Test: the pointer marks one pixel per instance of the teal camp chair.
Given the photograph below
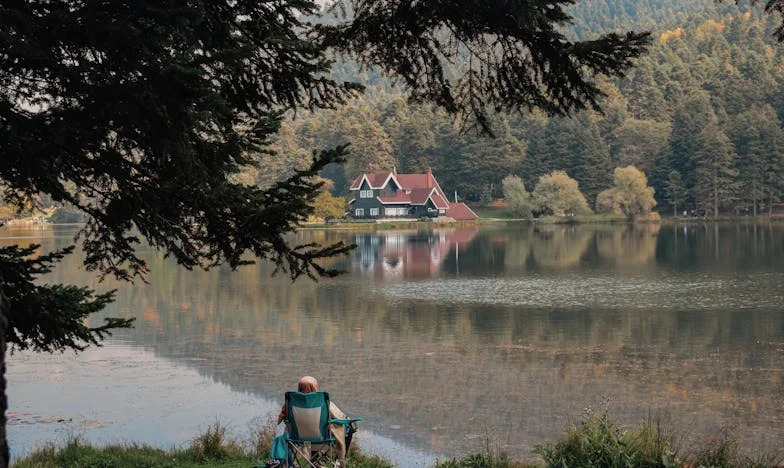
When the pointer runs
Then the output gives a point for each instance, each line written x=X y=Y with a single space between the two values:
x=308 y=424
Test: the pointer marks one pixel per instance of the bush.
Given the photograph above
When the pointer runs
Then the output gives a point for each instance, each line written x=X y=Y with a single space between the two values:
x=598 y=442
x=213 y=445
x=518 y=199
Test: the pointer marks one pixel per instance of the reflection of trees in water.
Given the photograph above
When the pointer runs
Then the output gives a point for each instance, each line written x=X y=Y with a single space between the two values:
x=627 y=245
x=560 y=246
x=445 y=371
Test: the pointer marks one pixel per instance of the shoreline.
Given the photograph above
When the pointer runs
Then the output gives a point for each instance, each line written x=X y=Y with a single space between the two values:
x=548 y=220
x=591 y=441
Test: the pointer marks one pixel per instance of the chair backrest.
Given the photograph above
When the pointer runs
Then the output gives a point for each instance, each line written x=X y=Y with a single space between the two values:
x=308 y=416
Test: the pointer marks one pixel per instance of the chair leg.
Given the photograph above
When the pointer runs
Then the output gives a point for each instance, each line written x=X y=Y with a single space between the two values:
x=302 y=455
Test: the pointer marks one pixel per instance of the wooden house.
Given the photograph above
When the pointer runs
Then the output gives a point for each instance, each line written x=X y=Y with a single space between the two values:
x=389 y=195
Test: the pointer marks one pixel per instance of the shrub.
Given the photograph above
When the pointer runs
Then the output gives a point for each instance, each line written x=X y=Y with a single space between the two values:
x=598 y=442
x=213 y=445
x=517 y=197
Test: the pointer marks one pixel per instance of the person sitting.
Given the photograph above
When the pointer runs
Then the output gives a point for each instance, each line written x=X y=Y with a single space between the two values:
x=308 y=384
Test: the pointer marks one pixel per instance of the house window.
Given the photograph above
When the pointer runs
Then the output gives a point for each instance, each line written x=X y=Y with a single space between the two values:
x=374 y=212
x=359 y=212
x=365 y=194
x=395 y=211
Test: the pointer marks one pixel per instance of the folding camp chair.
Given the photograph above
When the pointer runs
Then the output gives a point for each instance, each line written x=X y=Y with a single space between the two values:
x=310 y=443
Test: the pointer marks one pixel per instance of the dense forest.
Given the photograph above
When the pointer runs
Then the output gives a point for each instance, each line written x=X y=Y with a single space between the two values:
x=700 y=114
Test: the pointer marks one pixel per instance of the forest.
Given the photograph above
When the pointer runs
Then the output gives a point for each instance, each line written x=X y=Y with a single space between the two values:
x=700 y=114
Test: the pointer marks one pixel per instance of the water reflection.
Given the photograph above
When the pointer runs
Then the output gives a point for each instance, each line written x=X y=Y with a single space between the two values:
x=439 y=338
x=409 y=253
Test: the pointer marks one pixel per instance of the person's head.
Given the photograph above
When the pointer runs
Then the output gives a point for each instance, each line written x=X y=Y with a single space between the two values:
x=307 y=384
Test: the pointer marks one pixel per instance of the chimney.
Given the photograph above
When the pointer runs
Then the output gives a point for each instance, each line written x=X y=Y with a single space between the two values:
x=430 y=178
x=394 y=170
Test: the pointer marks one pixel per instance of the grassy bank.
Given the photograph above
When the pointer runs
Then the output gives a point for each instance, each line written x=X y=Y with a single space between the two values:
x=595 y=442
x=210 y=449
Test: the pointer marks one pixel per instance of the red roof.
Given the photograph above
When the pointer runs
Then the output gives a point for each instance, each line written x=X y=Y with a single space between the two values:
x=460 y=212
x=414 y=181
x=400 y=197
x=376 y=180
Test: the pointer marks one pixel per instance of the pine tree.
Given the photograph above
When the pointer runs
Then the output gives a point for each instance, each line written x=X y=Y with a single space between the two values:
x=676 y=191
x=716 y=174
x=591 y=155
x=689 y=121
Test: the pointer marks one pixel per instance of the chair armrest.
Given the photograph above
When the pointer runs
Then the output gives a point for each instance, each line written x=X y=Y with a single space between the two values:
x=344 y=422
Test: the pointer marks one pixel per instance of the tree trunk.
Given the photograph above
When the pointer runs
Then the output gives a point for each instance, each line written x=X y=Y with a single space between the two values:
x=715 y=193
x=3 y=400
x=770 y=205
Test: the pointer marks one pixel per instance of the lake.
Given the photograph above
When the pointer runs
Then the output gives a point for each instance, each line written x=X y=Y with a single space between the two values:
x=443 y=340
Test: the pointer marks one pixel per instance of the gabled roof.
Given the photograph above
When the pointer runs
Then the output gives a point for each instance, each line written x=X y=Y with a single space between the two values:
x=420 y=196
x=376 y=180
x=379 y=180
x=460 y=212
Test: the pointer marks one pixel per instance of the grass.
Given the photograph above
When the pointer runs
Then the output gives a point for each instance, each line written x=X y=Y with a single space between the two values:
x=593 y=442
x=212 y=448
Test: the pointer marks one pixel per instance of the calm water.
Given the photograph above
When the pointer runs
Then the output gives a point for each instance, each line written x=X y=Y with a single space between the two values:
x=439 y=339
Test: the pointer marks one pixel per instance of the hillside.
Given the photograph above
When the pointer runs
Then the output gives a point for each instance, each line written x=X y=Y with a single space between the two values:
x=705 y=102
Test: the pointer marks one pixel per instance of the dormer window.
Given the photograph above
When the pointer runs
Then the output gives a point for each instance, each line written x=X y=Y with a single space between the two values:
x=365 y=194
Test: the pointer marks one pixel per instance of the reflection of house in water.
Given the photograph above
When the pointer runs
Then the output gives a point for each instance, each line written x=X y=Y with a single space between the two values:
x=398 y=253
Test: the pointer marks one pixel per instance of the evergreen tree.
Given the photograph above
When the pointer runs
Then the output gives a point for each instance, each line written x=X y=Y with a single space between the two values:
x=483 y=162
x=716 y=175
x=546 y=147
x=409 y=128
x=676 y=191
x=646 y=100
x=283 y=157
x=758 y=139
x=690 y=119
x=592 y=165
x=638 y=142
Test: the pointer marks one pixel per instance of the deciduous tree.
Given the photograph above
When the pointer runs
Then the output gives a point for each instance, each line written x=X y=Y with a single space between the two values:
x=630 y=196
x=559 y=195
x=517 y=197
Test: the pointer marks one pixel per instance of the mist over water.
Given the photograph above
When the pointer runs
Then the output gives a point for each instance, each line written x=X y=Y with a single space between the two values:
x=442 y=339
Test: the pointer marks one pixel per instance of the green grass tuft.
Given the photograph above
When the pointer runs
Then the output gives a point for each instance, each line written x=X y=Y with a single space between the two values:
x=598 y=442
